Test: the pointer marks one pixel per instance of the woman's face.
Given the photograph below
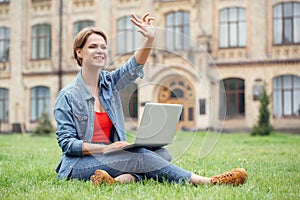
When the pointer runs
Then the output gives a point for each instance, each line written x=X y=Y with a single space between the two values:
x=94 y=52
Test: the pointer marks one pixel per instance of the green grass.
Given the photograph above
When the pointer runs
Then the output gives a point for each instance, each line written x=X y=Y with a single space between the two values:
x=273 y=163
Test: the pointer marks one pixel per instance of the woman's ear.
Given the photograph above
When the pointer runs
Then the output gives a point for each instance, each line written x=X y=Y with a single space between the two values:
x=78 y=52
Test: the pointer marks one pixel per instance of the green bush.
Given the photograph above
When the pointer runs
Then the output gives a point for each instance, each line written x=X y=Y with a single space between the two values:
x=44 y=125
x=263 y=126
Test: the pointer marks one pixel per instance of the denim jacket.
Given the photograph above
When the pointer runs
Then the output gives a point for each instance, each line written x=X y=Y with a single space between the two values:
x=74 y=112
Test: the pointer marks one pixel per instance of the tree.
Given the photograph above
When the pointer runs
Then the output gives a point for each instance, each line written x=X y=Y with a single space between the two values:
x=263 y=126
x=44 y=124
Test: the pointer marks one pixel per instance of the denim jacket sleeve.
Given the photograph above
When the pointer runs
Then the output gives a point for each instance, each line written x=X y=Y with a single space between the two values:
x=127 y=73
x=67 y=137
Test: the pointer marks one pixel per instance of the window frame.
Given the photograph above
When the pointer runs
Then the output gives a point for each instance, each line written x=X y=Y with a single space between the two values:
x=129 y=100
x=280 y=90
x=4 y=105
x=235 y=87
x=177 y=33
x=4 y=55
x=41 y=42
x=239 y=21
x=202 y=106
x=282 y=19
x=79 y=25
x=39 y=95
x=127 y=38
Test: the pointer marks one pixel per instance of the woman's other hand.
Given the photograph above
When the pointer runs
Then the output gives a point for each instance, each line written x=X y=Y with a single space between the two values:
x=116 y=145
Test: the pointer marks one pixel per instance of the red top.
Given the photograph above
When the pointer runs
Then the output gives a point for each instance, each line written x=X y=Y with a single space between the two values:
x=102 y=126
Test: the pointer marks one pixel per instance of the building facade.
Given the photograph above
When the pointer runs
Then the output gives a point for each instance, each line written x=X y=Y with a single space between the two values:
x=212 y=56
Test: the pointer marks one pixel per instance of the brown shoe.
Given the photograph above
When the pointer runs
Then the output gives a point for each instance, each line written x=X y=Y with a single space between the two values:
x=233 y=177
x=101 y=176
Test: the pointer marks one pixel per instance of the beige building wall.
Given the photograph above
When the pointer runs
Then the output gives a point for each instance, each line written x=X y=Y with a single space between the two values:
x=202 y=68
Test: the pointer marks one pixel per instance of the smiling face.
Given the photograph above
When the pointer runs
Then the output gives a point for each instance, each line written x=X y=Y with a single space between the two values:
x=94 y=52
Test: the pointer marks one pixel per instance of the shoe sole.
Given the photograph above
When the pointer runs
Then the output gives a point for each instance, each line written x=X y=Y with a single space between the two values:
x=233 y=177
x=101 y=176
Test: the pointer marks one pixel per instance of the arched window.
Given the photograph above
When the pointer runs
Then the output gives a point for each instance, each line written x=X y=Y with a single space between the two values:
x=286 y=23
x=41 y=42
x=40 y=102
x=128 y=38
x=178 y=30
x=129 y=98
x=233 y=31
x=82 y=24
x=176 y=93
x=286 y=96
x=235 y=97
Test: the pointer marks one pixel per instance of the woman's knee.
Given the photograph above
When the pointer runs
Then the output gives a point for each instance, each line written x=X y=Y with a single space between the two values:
x=164 y=153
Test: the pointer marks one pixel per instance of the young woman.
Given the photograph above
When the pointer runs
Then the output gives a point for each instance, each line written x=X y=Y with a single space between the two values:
x=90 y=120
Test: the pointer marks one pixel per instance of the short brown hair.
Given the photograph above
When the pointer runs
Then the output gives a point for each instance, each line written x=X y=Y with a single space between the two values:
x=81 y=38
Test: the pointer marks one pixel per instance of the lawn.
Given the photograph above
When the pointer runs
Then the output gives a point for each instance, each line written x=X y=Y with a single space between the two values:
x=273 y=163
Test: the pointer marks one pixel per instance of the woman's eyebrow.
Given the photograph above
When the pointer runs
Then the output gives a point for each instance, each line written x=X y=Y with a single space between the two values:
x=97 y=43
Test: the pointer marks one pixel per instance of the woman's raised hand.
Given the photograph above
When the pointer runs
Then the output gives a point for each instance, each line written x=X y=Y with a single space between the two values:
x=145 y=26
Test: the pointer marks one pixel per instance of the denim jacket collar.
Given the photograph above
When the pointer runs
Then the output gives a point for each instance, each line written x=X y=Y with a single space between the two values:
x=82 y=87
x=106 y=88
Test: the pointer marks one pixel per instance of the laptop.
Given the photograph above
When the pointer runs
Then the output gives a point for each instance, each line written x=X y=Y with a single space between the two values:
x=157 y=127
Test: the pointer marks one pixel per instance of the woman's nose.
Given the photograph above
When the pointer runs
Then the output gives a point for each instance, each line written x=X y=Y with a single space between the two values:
x=100 y=50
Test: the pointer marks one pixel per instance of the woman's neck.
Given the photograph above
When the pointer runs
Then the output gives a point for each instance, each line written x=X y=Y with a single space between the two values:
x=91 y=78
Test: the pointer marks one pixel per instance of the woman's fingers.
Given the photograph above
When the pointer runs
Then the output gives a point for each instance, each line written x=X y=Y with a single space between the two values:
x=120 y=144
x=150 y=19
x=135 y=22
x=144 y=24
x=146 y=20
x=135 y=18
x=145 y=17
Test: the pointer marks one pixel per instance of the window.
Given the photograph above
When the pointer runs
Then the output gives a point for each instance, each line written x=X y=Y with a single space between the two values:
x=233 y=31
x=82 y=24
x=3 y=105
x=41 y=42
x=286 y=96
x=129 y=99
x=178 y=31
x=286 y=23
x=127 y=38
x=40 y=102
x=191 y=114
x=176 y=93
x=257 y=91
x=4 y=1
x=202 y=106
x=4 y=44
x=235 y=97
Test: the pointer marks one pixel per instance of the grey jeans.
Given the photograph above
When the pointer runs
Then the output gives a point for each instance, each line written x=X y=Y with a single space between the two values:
x=140 y=162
